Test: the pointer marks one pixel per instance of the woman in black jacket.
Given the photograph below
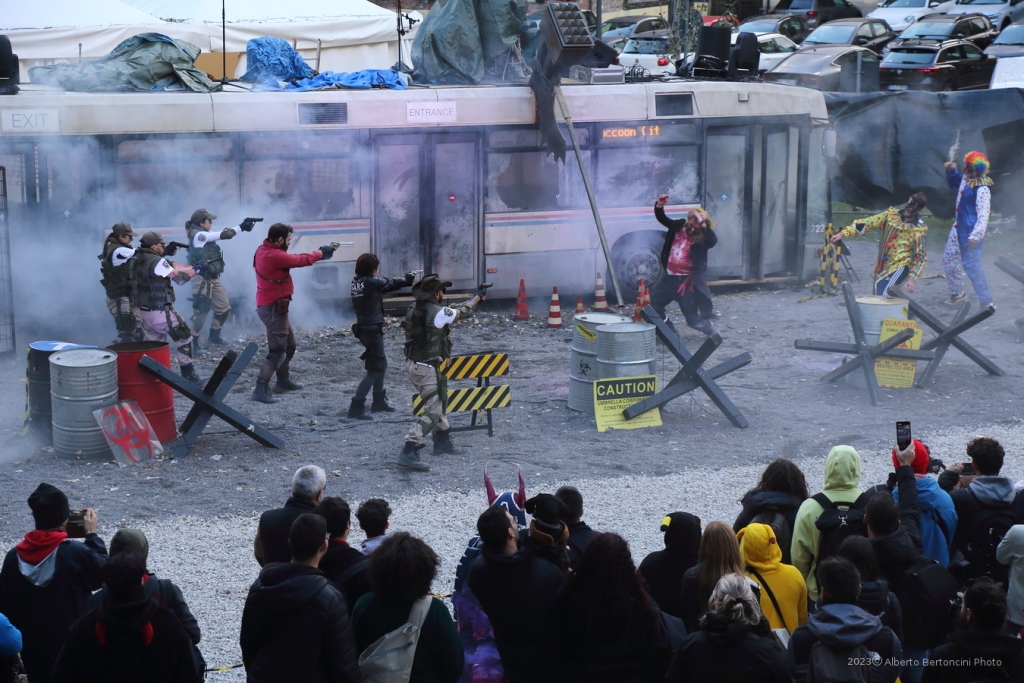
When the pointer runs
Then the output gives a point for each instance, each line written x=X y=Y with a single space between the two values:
x=875 y=596
x=726 y=649
x=719 y=555
x=607 y=630
x=781 y=491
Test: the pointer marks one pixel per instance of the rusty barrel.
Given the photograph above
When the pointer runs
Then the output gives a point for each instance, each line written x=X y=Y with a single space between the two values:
x=81 y=381
x=38 y=414
x=154 y=397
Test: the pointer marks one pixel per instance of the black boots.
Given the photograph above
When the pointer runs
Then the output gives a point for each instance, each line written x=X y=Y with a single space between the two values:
x=380 y=404
x=410 y=458
x=189 y=373
x=214 y=337
x=284 y=383
x=443 y=444
x=357 y=411
x=262 y=392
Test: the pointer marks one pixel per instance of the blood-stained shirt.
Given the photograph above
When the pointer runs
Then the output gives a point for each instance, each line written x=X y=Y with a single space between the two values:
x=680 y=262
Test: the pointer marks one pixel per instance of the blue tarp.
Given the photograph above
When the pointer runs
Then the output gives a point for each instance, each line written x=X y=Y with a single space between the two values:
x=273 y=59
x=361 y=80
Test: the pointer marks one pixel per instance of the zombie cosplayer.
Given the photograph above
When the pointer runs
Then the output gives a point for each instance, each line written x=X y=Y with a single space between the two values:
x=274 y=289
x=116 y=265
x=685 y=260
x=207 y=291
x=973 y=201
x=427 y=327
x=368 y=292
x=154 y=294
x=483 y=664
x=901 y=244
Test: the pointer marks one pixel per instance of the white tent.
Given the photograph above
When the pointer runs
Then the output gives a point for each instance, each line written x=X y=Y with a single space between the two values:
x=51 y=31
x=353 y=34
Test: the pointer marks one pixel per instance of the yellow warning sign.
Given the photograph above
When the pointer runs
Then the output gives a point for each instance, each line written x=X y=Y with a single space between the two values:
x=612 y=396
x=892 y=373
x=589 y=335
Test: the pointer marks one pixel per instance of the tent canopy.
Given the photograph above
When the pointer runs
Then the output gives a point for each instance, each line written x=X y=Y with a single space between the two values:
x=71 y=13
x=245 y=11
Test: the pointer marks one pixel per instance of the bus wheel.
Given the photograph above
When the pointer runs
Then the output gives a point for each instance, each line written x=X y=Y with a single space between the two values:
x=637 y=256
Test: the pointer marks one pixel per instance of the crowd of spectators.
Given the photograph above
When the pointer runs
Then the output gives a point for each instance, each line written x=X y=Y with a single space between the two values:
x=919 y=578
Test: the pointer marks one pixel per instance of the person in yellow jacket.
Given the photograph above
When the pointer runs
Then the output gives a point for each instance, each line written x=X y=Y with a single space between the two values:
x=842 y=476
x=783 y=590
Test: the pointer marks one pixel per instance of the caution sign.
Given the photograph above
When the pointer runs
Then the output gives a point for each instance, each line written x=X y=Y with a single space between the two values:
x=893 y=373
x=612 y=396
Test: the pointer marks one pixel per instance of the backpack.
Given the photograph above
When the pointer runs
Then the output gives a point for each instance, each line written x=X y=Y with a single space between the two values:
x=839 y=665
x=928 y=598
x=780 y=527
x=987 y=531
x=389 y=658
x=838 y=521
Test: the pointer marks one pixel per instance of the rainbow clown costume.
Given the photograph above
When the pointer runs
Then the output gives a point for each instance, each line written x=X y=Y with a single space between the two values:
x=963 y=249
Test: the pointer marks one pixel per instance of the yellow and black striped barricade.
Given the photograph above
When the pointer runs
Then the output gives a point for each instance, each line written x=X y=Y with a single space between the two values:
x=482 y=397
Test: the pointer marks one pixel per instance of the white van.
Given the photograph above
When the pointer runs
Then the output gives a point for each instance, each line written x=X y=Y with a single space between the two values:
x=1009 y=73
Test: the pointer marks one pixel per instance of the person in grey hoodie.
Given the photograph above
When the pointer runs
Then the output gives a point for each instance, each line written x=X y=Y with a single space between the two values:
x=987 y=491
x=1011 y=552
x=839 y=623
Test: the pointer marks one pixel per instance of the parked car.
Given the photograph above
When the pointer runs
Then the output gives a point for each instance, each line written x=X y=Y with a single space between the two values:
x=902 y=13
x=1009 y=73
x=1010 y=42
x=649 y=50
x=952 y=65
x=1001 y=13
x=938 y=28
x=817 y=66
x=774 y=47
x=818 y=12
x=793 y=26
x=618 y=30
x=873 y=34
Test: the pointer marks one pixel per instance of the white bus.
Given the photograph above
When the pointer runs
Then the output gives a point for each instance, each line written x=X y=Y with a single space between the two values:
x=444 y=179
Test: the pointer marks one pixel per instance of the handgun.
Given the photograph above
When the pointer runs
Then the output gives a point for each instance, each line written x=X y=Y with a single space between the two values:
x=481 y=289
x=247 y=223
x=171 y=248
x=335 y=245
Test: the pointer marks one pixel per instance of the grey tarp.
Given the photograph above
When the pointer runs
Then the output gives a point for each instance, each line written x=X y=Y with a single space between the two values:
x=461 y=39
x=147 y=62
x=891 y=145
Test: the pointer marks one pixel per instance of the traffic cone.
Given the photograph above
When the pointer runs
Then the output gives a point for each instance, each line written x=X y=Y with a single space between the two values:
x=600 y=302
x=579 y=306
x=640 y=293
x=522 y=312
x=554 y=310
x=647 y=296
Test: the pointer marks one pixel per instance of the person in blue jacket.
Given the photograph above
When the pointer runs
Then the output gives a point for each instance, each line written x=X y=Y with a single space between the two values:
x=938 y=514
x=973 y=203
x=10 y=638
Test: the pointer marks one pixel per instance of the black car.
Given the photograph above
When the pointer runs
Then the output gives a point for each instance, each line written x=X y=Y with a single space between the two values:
x=934 y=29
x=873 y=34
x=818 y=12
x=1010 y=42
x=793 y=26
x=817 y=66
x=952 y=65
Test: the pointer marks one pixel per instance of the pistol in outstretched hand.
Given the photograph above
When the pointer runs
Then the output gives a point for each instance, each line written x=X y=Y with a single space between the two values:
x=481 y=289
x=248 y=224
x=171 y=248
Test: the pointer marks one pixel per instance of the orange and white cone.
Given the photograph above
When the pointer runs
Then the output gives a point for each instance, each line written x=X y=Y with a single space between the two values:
x=522 y=312
x=600 y=301
x=647 y=296
x=640 y=295
x=579 y=306
x=554 y=310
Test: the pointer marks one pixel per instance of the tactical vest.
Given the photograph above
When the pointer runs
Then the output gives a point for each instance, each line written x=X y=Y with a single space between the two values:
x=116 y=279
x=208 y=252
x=152 y=292
x=424 y=341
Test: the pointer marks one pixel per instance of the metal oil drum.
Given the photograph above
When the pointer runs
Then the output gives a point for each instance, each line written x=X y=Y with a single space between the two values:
x=626 y=350
x=873 y=310
x=37 y=374
x=583 y=366
x=81 y=381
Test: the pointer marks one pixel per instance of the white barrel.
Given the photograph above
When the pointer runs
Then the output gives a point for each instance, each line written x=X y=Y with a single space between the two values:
x=81 y=381
x=626 y=350
x=583 y=363
x=873 y=310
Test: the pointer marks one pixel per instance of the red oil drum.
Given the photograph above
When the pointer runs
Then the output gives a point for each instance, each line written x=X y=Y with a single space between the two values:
x=154 y=397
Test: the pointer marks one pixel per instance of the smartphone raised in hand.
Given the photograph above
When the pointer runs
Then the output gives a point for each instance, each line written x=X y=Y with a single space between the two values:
x=903 y=436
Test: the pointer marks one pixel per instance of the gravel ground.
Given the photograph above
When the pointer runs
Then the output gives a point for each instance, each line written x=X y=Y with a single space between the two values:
x=200 y=511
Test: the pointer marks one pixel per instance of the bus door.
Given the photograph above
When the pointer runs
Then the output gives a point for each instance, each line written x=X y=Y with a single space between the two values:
x=728 y=171
x=427 y=208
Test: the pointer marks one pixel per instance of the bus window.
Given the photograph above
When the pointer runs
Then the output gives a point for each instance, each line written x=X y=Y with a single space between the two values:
x=635 y=176
x=15 y=165
x=533 y=181
x=308 y=189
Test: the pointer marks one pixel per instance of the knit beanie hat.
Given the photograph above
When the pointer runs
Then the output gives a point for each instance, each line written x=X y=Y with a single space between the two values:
x=547 y=511
x=130 y=541
x=921 y=458
x=49 y=506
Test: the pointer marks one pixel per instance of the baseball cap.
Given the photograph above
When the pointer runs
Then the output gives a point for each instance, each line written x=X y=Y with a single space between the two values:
x=201 y=215
x=123 y=229
x=151 y=238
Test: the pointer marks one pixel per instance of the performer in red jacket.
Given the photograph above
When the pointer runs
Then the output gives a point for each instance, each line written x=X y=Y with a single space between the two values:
x=274 y=290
